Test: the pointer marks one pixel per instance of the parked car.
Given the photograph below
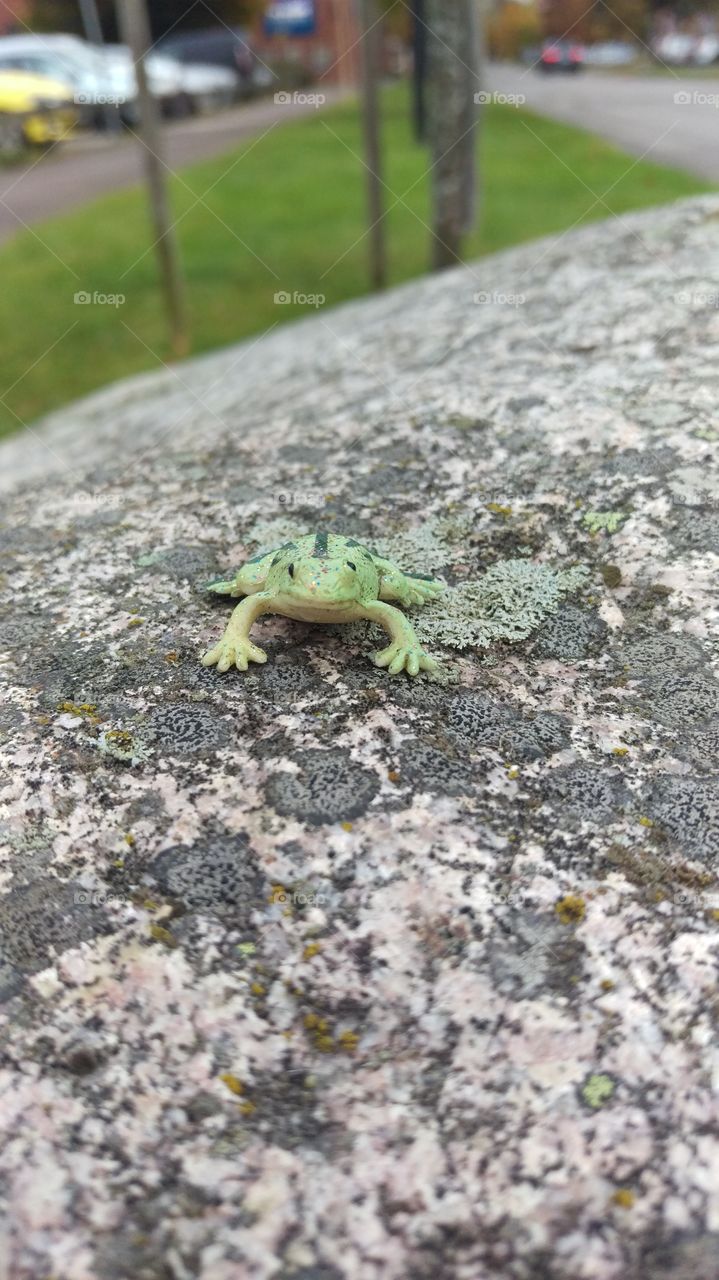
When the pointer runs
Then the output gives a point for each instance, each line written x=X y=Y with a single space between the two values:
x=98 y=85
x=181 y=89
x=675 y=48
x=611 y=53
x=208 y=88
x=561 y=55
x=34 y=111
x=218 y=47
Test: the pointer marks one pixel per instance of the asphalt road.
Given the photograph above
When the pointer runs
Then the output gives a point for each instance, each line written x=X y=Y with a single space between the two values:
x=641 y=114
x=92 y=164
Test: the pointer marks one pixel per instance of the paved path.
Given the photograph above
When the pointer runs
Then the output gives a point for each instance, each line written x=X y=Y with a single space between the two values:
x=93 y=165
x=640 y=114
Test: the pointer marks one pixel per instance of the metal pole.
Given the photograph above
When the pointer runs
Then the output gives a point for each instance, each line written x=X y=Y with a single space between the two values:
x=419 y=69
x=373 y=154
x=135 y=26
x=93 y=34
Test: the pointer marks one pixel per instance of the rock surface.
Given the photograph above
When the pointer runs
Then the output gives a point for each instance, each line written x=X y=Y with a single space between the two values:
x=312 y=974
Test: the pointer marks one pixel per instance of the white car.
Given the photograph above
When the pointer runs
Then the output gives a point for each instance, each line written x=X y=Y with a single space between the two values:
x=208 y=88
x=706 y=50
x=180 y=88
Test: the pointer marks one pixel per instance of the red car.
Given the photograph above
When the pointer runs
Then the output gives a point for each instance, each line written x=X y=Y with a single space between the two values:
x=561 y=55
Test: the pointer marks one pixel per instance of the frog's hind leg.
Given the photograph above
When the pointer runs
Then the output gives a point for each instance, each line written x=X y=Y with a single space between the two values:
x=408 y=588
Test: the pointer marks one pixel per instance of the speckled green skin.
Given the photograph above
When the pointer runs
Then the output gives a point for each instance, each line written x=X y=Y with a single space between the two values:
x=324 y=578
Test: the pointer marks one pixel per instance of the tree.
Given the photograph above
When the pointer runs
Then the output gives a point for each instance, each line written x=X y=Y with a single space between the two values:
x=451 y=119
x=64 y=15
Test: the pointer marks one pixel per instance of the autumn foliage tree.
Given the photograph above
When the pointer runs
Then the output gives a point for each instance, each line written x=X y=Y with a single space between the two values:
x=64 y=15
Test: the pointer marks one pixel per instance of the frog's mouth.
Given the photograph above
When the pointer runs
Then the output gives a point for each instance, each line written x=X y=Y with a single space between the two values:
x=308 y=608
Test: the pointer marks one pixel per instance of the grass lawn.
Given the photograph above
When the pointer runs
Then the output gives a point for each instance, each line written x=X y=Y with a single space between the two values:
x=297 y=198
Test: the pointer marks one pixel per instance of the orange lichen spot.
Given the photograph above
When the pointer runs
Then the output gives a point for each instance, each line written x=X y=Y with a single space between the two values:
x=160 y=934
x=312 y=949
x=393 y=775
x=620 y=751
x=233 y=1083
x=247 y=1107
x=624 y=1198
x=571 y=909
x=646 y=822
x=172 y=656
x=346 y=826
x=606 y=984
x=129 y=839
x=498 y=510
x=135 y=622
x=257 y=989
x=348 y=1041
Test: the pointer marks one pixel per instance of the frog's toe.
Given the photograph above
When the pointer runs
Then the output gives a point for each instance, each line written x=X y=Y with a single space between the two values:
x=412 y=664
x=412 y=660
x=385 y=656
x=426 y=663
x=212 y=656
x=226 y=658
x=255 y=654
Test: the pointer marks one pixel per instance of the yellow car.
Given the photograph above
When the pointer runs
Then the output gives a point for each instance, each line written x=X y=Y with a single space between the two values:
x=34 y=110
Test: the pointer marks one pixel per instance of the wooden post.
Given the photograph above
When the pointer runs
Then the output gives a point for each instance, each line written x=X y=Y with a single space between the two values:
x=372 y=143
x=452 y=114
x=135 y=27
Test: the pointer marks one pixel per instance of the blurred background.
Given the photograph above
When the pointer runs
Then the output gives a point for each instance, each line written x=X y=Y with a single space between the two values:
x=174 y=179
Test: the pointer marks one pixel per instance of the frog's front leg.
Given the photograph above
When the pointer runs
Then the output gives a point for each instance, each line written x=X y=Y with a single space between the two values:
x=408 y=588
x=235 y=648
x=405 y=652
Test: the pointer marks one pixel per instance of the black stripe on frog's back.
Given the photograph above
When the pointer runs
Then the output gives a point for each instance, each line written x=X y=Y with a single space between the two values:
x=320 y=548
x=278 y=554
x=423 y=577
x=352 y=542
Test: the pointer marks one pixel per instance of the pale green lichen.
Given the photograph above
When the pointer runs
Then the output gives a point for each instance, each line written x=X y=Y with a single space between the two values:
x=123 y=745
x=597 y=1090
x=511 y=601
x=596 y=521
x=427 y=546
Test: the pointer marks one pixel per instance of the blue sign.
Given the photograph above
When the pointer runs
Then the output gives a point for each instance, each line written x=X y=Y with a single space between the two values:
x=290 y=18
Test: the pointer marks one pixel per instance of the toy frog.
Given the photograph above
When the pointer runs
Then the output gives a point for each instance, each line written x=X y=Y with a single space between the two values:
x=323 y=577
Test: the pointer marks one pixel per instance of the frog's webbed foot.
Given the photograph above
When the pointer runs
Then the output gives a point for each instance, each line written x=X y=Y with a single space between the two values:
x=400 y=657
x=234 y=652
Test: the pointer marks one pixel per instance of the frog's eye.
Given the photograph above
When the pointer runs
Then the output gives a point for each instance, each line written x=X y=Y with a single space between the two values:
x=352 y=566
x=291 y=570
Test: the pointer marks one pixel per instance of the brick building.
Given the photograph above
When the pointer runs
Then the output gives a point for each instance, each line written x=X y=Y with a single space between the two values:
x=319 y=36
x=13 y=16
